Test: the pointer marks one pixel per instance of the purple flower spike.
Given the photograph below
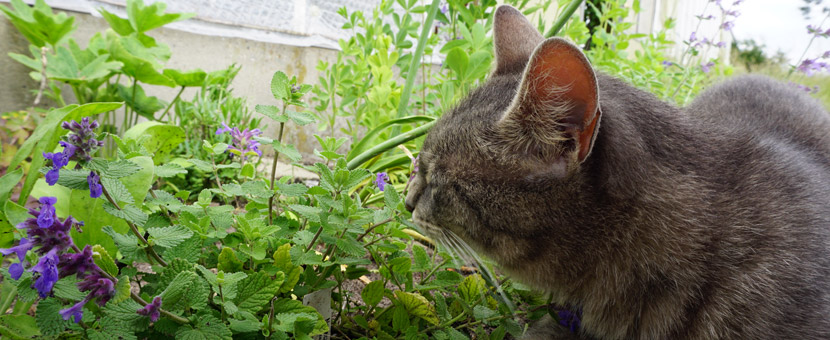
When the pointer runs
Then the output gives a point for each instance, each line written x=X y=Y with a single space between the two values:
x=152 y=309
x=381 y=180
x=16 y=270
x=95 y=187
x=80 y=264
x=727 y=26
x=98 y=286
x=76 y=310
x=707 y=67
x=243 y=141
x=47 y=267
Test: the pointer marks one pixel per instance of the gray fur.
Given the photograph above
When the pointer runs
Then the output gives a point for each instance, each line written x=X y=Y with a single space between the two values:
x=707 y=222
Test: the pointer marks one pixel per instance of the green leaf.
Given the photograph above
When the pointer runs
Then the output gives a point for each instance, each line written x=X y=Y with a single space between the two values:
x=122 y=289
x=400 y=318
x=119 y=25
x=127 y=212
x=300 y=118
x=373 y=293
x=350 y=246
x=124 y=315
x=207 y=327
x=472 y=289
x=291 y=190
x=18 y=327
x=103 y=259
x=272 y=112
x=49 y=321
x=228 y=262
x=190 y=250
x=288 y=150
x=39 y=25
x=8 y=182
x=247 y=170
x=279 y=86
x=135 y=97
x=311 y=213
x=186 y=290
x=282 y=260
x=458 y=60
x=160 y=139
x=66 y=288
x=121 y=168
x=284 y=309
x=391 y=197
x=191 y=78
x=117 y=190
x=169 y=236
x=257 y=290
x=127 y=245
x=169 y=170
x=481 y=312
x=144 y=18
x=417 y=305
x=422 y=260
x=245 y=326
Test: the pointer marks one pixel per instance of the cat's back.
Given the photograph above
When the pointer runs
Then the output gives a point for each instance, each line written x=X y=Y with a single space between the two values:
x=767 y=109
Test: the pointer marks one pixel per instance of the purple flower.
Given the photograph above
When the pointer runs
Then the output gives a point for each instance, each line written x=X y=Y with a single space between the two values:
x=721 y=44
x=47 y=267
x=444 y=9
x=20 y=249
x=667 y=63
x=95 y=188
x=76 y=310
x=47 y=211
x=79 y=264
x=16 y=270
x=732 y=13
x=152 y=309
x=59 y=160
x=243 y=141
x=381 y=180
x=98 y=286
x=727 y=26
x=79 y=145
x=693 y=37
x=569 y=319
x=810 y=66
x=706 y=67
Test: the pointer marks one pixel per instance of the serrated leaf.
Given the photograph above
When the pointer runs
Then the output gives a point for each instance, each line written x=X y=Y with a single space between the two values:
x=279 y=86
x=117 y=190
x=350 y=246
x=422 y=260
x=300 y=118
x=103 y=259
x=228 y=262
x=128 y=212
x=122 y=289
x=291 y=190
x=169 y=170
x=257 y=290
x=282 y=260
x=373 y=293
x=18 y=327
x=285 y=307
x=73 y=179
x=230 y=307
x=127 y=245
x=207 y=327
x=310 y=213
x=66 y=288
x=190 y=250
x=109 y=333
x=417 y=305
x=288 y=150
x=481 y=312
x=123 y=314
x=121 y=168
x=390 y=195
x=245 y=326
x=272 y=112
x=472 y=288
x=169 y=236
x=174 y=267
x=49 y=321
x=186 y=290
x=356 y=177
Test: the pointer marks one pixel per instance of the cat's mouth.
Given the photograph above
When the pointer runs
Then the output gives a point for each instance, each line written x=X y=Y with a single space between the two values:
x=427 y=228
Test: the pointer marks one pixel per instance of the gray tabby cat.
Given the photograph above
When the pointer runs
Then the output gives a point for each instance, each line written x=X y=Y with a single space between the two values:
x=707 y=222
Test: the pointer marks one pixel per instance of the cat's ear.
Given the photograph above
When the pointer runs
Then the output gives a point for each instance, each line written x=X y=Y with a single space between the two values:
x=514 y=39
x=555 y=114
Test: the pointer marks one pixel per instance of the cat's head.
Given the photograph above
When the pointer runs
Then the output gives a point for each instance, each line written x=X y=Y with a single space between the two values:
x=504 y=163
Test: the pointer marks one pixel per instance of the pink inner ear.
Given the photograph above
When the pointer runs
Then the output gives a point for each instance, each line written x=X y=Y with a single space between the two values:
x=560 y=65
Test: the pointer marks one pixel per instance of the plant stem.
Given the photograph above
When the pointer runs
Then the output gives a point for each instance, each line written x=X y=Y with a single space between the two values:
x=148 y=248
x=172 y=103
x=375 y=226
x=43 y=79
x=274 y=173
x=403 y=105
x=388 y=144
x=792 y=69
x=432 y=272
x=563 y=18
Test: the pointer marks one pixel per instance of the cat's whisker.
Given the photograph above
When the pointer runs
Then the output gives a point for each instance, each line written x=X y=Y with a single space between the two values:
x=486 y=273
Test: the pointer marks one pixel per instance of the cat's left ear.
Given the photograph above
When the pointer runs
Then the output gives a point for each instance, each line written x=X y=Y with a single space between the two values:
x=555 y=114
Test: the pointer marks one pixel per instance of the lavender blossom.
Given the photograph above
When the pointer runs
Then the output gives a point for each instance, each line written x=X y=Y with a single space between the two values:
x=152 y=309
x=381 y=180
x=243 y=141
x=95 y=187
x=47 y=267
x=47 y=212
x=727 y=26
x=78 y=145
x=79 y=264
x=16 y=270
x=76 y=310
x=706 y=67
x=98 y=287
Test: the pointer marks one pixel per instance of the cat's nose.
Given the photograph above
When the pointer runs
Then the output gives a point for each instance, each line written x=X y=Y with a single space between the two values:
x=410 y=206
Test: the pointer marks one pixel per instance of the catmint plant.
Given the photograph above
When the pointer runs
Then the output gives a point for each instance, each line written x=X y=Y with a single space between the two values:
x=79 y=146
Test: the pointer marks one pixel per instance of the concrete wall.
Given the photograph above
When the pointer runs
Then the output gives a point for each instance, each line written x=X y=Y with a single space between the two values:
x=259 y=61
